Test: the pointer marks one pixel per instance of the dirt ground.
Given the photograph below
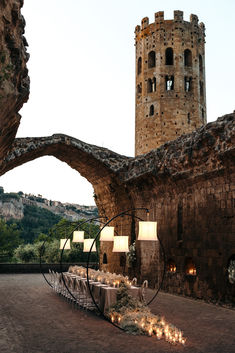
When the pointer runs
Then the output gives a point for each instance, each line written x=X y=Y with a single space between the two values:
x=33 y=319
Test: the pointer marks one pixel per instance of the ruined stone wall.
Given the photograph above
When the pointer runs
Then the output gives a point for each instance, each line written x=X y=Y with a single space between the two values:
x=189 y=186
x=161 y=47
x=14 y=80
x=196 y=225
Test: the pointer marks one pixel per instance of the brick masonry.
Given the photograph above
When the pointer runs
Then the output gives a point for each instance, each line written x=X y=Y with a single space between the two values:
x=173 y=51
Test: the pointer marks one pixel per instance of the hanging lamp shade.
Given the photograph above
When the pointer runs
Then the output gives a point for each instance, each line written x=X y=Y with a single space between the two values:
x=88 y=244
x=147 y=231
x=120 y=244
x=107 y=234
x=78 y=236
x=65 y=244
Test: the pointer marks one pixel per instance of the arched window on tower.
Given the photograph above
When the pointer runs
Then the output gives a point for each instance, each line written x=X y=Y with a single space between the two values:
x=169 y=83
x=139 y=65
x=151 y=110
x=187 y=57
x=189 y=118
x=151 y=59
x=139 y=88
x=188 y=84
x=154 y=84
x=149 y=86
x=169 y=56
x=203 y=114
x=201 y=89
x=200 y=64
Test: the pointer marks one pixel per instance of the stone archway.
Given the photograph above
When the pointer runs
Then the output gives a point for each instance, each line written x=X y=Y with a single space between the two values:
x=100 y=166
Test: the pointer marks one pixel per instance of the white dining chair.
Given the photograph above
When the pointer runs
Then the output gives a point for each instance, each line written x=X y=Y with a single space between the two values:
x=142 y=291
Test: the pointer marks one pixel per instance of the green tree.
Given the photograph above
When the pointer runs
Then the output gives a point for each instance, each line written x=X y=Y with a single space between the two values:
x=9 y=238
x=36 y=220
x=25 y=253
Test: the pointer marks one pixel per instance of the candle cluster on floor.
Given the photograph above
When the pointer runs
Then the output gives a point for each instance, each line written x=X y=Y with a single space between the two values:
x=136 y=318
x=150 y=325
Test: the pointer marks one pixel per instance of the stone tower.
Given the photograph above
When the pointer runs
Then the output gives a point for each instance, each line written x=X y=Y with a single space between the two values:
x=170 y=80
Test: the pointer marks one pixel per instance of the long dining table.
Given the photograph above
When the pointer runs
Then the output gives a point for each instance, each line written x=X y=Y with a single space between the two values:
x=105 y=294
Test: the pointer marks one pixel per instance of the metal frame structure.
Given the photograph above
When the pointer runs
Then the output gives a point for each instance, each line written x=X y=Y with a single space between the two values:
x=124 y=213
x=129 y=213
x=78 y=225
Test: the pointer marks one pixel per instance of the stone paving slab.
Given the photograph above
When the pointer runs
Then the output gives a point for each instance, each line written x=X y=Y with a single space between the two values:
x=33 y=319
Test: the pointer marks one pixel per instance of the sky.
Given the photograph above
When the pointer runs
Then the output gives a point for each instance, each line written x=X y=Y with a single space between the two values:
x=82 y=72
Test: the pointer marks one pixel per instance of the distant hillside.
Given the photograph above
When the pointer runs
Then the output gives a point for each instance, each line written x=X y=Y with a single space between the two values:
x=36 y=221
x=12 y=206
x=34 y=215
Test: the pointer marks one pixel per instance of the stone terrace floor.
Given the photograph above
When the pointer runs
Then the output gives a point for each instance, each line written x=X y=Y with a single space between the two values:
x=33 y=319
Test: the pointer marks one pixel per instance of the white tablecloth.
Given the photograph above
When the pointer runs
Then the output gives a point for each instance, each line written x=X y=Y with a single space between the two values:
x=104 y=295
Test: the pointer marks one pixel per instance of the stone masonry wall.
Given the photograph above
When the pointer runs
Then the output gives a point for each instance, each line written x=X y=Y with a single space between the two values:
x=202 y=233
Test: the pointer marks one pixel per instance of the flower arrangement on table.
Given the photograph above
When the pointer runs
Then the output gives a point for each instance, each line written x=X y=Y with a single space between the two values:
x=135 y=318
x=112 y=279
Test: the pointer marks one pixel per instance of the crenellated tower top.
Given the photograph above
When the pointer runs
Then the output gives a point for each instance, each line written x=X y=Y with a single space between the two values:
x=178 y=18
x=170 y=79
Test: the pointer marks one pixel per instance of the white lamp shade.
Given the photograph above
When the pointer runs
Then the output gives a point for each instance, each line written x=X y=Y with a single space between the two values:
x=120 y=244
x=88 y=244
x=63 y=245
x=107 y=234
x=147 y=231
x=78 y=236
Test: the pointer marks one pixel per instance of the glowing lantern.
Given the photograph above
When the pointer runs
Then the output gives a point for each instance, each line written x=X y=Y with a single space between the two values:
x=120 y=244
x=107 y=234
x=88 y=245
x=65 y=244
x=147 y=231
x=78 y=236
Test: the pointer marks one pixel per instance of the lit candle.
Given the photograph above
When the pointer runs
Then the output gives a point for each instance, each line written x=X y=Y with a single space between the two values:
x=150 y=331
x=112 y=318
x=183 y=341
x=119 y=319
